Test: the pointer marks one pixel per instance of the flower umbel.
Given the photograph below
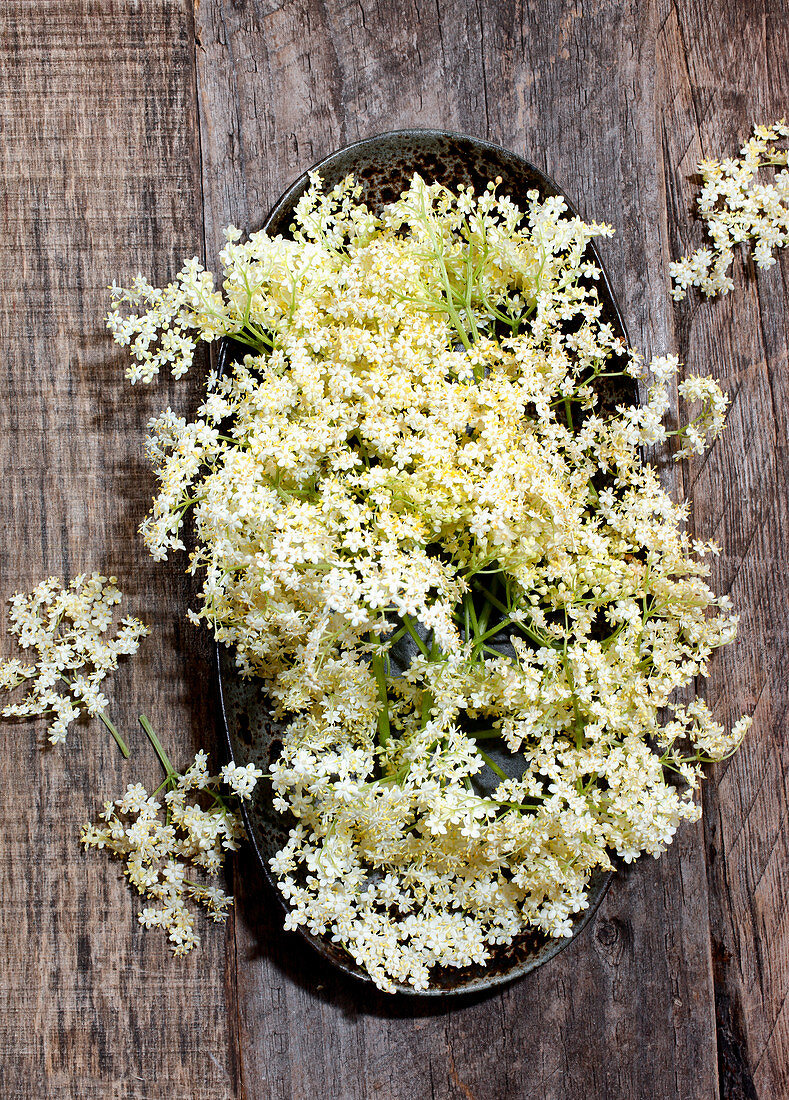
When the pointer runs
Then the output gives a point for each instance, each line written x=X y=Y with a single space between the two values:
x=739 y=208
x=67 y=627
x=164 y=841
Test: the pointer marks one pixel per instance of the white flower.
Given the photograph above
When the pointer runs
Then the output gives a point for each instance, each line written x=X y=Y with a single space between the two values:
x=161 y=857
x=66 y=626
x=736 y=209
x=241 y=780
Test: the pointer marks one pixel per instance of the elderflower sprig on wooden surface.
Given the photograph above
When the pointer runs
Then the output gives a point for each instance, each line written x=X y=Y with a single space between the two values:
x=468 y=599
x=160 y=853
x=66 y=626
x=737 y=207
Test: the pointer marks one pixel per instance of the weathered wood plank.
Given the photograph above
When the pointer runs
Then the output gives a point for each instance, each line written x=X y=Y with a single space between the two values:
x=99 y=161
x=102 y=169
x=628 y=1009
x=719 y=76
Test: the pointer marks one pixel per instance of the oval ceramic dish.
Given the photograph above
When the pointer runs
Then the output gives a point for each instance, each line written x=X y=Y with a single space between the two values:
x=384 y=166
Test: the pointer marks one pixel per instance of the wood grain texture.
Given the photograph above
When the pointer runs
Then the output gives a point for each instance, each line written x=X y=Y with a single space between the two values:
x=717 y=78
x=132 y=132
x=100 y=169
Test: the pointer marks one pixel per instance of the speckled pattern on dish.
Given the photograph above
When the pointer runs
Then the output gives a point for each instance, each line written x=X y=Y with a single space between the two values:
x=384 y=166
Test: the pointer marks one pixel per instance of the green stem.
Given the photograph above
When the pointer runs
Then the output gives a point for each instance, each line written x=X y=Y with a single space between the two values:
x=493 y=599
x=428 y=701
x=497 y=629
x=527 y=806
x=413 y=632
x=111 y=727
x=106 y=720
x=397 y=636
x=568 y=413
x=492 y=764
x=394 y=777
x=538 y=637
x=163 y=757
x=383 y=714
x=482 y=618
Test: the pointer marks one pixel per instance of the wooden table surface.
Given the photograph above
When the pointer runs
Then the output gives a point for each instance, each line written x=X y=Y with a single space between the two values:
x=132 y=132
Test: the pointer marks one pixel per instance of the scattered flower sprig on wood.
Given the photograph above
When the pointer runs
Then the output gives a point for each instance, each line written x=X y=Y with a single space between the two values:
x=66 y=626
x=161 y=853
x=739 y=208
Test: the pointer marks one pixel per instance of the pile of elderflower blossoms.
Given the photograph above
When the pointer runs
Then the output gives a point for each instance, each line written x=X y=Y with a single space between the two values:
x=736 y=209
x=66 y=626
x=413 y=451
x=200 y=825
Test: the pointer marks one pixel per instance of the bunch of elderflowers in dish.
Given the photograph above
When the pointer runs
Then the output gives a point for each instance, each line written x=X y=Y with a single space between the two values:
x=737 y=208
x=469 y=600
x=66 y=626
x=201 y=823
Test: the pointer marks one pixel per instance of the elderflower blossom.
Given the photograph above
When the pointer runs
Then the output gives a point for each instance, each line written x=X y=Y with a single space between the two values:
x=161 y=853
x=737 y=208
x=66 y=626
x=422 y=518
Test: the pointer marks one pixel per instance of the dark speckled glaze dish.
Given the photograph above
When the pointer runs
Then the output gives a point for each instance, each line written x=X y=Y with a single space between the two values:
x=384 y=166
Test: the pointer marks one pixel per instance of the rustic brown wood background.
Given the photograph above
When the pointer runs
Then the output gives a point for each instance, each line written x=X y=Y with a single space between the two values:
x=132 y=131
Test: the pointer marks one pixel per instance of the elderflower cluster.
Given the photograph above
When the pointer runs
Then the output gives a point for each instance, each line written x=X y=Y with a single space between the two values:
x=737 y=208
x=421 y=517
x=160 y=853
x=66 y=626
